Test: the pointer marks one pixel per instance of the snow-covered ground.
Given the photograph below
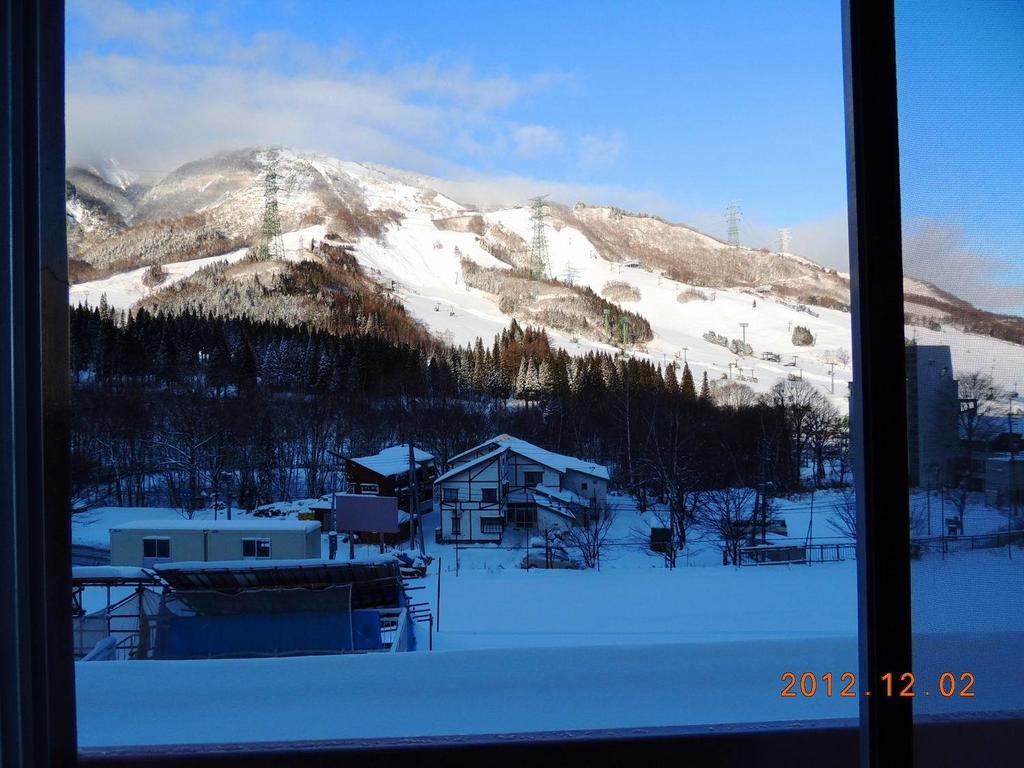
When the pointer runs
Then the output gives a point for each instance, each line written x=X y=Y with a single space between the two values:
x=125 y=289
x=425 y=264
x=557 y=650
x=632 y=645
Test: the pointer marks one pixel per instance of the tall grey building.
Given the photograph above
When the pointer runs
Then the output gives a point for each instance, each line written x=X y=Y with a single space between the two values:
x=933 y=408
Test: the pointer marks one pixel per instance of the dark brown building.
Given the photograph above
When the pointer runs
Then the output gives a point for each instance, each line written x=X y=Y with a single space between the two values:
x=387 y=474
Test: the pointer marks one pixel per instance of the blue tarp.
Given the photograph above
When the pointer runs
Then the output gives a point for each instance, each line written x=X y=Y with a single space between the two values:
x=277 y=634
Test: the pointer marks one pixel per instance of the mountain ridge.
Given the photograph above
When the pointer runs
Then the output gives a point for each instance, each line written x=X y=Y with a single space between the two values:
x=451 y=264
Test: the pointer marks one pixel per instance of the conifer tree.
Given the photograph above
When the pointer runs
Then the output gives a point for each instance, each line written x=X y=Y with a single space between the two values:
x=687 y=388
x=521 y=378
x=671 y=382
x=705 y=390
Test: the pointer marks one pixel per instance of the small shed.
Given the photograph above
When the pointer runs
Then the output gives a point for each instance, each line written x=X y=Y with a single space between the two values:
x=148 y=542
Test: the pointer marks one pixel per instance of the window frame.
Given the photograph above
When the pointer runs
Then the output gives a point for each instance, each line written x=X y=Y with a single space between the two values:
x=491 y=525
x=449 y=493
x=38 y=726
x=257 y=541
x=157 y=540
x=489 y=495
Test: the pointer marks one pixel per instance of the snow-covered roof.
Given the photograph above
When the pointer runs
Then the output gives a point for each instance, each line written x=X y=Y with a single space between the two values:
x=541 y=500
x=246 y=524
x=562 y=494
x=103 y=572
x=482 y=459
x=543 y=456
x=253 y=565
x=391 y=461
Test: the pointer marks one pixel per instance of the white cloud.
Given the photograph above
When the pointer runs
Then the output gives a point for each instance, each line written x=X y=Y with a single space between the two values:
x=534 y=140
x=824 y=240
x=182 y=86
x=600 y=151
x=936 y=251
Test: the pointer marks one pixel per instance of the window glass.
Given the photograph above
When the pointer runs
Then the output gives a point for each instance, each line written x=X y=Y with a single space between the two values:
x=962 y=154
x=340 y=277
x=154 y=547
x=256 y=548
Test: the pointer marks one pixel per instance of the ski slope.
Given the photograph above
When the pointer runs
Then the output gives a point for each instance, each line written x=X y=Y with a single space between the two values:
x=126 y=288
x=425 y=264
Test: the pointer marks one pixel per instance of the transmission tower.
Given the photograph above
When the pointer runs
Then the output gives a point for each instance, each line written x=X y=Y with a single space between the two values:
x=732 y=218
x=785 y=238
x=271 y=244
x=539 y=244
x=570 y=274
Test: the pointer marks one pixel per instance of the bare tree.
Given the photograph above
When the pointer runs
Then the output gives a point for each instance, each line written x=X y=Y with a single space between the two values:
x=728 y=514
x=982 y=397
x=733 y=394
x=182 y=446
x=679 y=515
x=824 y=425
x=797 y=399
x=589 y=538
x=844 y=514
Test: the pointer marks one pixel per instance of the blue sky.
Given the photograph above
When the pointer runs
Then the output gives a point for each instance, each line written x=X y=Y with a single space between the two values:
x=960 y=69
x=674 y=108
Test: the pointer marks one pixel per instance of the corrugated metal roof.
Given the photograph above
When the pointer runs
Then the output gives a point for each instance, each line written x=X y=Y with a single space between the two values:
x=375 y=582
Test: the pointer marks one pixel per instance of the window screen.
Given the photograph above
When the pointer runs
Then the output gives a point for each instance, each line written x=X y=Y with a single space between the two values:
x=962 y=154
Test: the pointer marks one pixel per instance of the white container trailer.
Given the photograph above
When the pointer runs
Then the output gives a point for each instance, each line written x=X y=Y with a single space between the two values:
x=147 y=542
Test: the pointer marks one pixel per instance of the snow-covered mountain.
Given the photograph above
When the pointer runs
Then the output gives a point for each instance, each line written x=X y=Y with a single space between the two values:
x=462 y=272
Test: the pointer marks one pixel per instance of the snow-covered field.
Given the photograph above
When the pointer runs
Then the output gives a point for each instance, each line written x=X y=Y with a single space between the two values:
x=631 y=645
x=548 y=651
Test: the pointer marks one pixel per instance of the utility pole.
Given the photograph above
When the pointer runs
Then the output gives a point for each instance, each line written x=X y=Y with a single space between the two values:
x=832 y=373
x=1012 y=477
x=685 y=361
x=415 y=523
x=744 y=327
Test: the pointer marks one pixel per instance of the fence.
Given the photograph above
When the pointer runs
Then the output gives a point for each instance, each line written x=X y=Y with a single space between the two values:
x=797 y=554
x=951 y=545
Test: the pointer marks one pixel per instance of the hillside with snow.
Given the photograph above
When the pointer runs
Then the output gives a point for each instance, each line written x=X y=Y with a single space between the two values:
x=462 y=273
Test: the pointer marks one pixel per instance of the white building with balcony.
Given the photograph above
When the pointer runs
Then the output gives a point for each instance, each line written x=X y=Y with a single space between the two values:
x=507 y=482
